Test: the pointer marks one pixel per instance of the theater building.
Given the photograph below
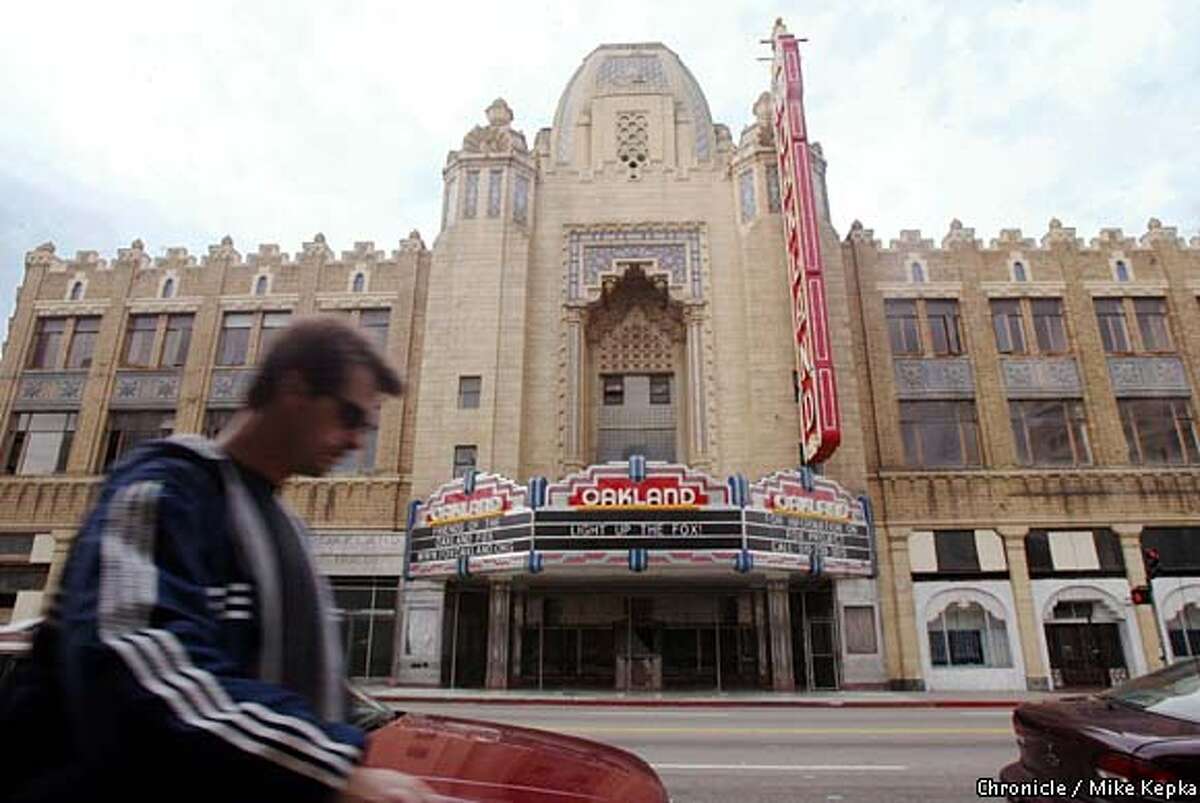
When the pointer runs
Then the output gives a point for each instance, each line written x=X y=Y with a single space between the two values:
x=596 y=481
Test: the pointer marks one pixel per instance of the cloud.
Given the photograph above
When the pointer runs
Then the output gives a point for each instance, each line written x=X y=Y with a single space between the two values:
x=179 y=123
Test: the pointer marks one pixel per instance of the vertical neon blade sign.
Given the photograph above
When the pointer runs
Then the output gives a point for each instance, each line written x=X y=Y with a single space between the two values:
x=820 y=421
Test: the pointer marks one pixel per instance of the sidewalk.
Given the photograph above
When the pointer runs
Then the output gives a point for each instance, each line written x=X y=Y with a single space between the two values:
x=712 y=699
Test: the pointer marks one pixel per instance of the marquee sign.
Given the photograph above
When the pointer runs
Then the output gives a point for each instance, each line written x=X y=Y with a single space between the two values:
x=819 y=415
x=640 y=514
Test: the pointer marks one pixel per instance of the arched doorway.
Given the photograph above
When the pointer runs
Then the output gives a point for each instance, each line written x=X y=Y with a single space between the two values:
x=1084 y=640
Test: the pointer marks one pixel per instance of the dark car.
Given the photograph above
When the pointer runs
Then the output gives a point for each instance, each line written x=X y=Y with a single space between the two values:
x=1138 y=742
x=489 y=762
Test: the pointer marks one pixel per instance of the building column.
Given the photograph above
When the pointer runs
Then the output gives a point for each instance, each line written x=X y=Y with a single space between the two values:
x=573 y=438
x=780 y=612
x=1028 y=624
x=912 y=678
x=62 y=547
x=498 y=622
x=1135 y=571
x=693 y=316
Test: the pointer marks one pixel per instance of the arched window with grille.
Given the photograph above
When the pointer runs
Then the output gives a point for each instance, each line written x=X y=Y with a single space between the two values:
x=360 y=283
x=918 y=273
x=1019 y=272
x=168 y=288
x=260 y=286
x=77 y=291
x=1122 y=270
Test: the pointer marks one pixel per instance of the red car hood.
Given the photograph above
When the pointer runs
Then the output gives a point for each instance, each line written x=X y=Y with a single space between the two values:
x=472 y=760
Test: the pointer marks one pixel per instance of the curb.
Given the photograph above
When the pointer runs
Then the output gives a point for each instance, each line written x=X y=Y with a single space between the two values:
x=657 y=703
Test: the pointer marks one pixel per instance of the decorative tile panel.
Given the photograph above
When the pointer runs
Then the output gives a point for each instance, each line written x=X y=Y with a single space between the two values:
x=592 y=253
x=746 y=194
x=495 y=184
x=943 y=378
x=1041 y=377
x=639 y=74
x=471 y=194
x=61 y=390
x=773 y=204
x=145 y=390
x=521 y=199
x=229 y=386
x=1148 y=376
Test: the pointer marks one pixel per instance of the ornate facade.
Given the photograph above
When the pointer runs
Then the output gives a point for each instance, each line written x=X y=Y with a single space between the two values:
x=1018 y=415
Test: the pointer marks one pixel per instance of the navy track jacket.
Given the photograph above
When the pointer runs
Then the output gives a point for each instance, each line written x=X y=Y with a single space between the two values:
x=151 y=678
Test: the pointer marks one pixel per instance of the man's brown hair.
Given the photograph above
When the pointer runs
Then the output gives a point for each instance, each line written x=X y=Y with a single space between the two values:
x=321 y=349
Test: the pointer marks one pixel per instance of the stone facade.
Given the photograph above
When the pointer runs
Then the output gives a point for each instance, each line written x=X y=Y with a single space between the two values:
x=637 y=236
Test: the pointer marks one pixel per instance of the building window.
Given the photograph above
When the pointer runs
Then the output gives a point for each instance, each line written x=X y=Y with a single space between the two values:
x=359 y=284
x=967 y=635
x=904 y=330
x=945 y=326
x=362 y=459
x=1183 y=631
x=1110 y=316
x=860 y=629
x=168 y=288
x=374 y=323
x=917 y=273
x=39 y=443
x=260 y=286
x=138 y=351
x=76 y=291
x=127 y=430
x=83 y=342
x=495 y=188
x=1159 y=431
x=469 y=388
x=1152 y=323
x=773 y=204
x=1121 y=271
x=614 y=389
x=177 y=341
x=660 y=388
x=273 y=324
x=233 y=347
x=1007 y=325
x=47 y=339
x=1019 y=272
x=939 y=433
x=464 y=459
x=1049 y=326
x=956 y=551
x=215 y=421
x=746 y=193
x=471 y=196
x=449 y=200
x=365 y=608
x=1050 y=433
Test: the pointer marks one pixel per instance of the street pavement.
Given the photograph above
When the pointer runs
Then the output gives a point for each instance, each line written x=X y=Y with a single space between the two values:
x=761 y=755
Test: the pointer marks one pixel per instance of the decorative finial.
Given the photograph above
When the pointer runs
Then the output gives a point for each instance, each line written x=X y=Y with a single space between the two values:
x=762 y=108
x=319 y=238
x=414 y=235
x=499 y=115
x=856 y=226
x=1154 y=223
x=780 y=29
x=138 y=245
x=47 y=246
x=227 y=241
x=1055 y=223
x=956 y=225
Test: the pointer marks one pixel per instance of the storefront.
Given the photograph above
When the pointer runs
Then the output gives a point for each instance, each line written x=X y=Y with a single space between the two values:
x=638 y=576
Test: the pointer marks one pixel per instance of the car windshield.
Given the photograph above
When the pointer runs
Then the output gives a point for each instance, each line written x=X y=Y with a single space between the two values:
x=1173 y=691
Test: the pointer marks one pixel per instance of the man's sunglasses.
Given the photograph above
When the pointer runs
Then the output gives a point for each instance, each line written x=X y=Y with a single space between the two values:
x=350 y=415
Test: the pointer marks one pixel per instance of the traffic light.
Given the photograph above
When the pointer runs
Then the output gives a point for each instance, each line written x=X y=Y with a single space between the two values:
x=1141 y=595
x=1151 y=558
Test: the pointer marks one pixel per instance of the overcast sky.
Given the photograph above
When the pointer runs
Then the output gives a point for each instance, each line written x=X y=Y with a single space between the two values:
x=180 y=123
